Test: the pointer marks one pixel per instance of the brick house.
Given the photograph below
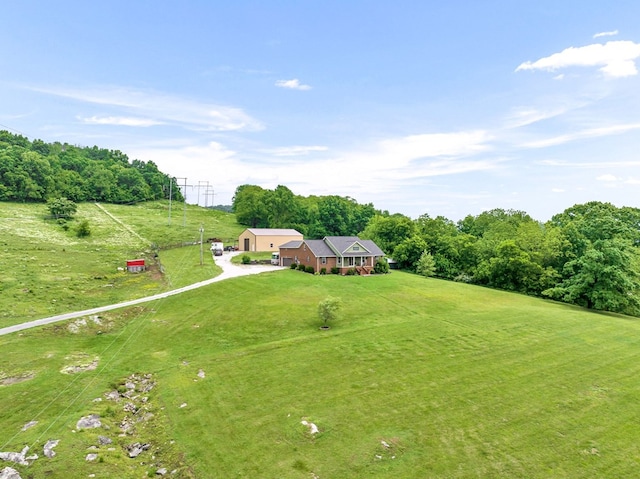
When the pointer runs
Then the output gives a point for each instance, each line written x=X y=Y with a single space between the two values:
x=342 y=252
x=266 y=239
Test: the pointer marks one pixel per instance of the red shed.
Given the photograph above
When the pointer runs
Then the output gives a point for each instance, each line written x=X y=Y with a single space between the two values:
x=135 y=265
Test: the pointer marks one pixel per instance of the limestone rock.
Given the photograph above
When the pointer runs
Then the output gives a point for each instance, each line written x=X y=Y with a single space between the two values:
x=9 y=473
x=104 y=440
x=89 y=422
x=48 y=448
x=28 y=425
x=136 y=449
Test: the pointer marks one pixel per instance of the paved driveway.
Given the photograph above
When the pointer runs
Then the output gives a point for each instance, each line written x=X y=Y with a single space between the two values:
x=229 y=270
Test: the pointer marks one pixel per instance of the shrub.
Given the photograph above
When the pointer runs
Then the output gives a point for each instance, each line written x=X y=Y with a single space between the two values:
x=335 y=270
x=323 y=270
x=351 y=271
x=83 y=230
x=293 y=265
x=302 y=267
x=246 y=259
x=382 y=266
x=310 y=269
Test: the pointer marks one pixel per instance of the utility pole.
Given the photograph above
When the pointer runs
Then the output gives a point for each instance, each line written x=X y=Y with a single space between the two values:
x=207 y=183
x=209 y=192
x=201 y=245
x=170 y=197
x=184 y=209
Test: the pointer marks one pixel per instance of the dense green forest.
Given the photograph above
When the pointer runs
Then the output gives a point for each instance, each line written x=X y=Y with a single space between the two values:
x=588 y=255
x=34 y=171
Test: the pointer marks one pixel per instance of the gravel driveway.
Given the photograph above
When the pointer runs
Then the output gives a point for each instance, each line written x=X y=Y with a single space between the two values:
x=229 y=270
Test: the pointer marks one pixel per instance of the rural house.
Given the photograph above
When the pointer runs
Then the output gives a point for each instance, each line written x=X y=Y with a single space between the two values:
x=266 y=239
x=342 y=252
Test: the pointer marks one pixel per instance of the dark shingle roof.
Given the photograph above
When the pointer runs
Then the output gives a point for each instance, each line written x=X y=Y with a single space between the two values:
x=291 y=244
x=319 y=248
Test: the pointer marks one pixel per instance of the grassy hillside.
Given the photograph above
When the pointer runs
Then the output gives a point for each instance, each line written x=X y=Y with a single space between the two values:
x=45 y=270
x=418 y=378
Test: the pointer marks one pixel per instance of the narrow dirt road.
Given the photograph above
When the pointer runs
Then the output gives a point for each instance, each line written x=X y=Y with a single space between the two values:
x=229 y=270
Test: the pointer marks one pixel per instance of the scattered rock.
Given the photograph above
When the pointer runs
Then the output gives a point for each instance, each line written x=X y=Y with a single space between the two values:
x=89 y=422
x=184 y=404
x=104 y=440
x=113 y=396
x=28 y=425
x=162 y=471
x=313 y=429
x=9 y=473
x=48 y=448
x=91 y=457
x=19 y=457
x=136 y=449
x=15 y=379
x=201 y=374
x=80 y=363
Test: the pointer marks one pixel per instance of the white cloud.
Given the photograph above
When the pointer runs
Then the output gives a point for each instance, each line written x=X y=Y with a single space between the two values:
x=292 y=84
x=526 y=116
x=632 y=181
x=589 y=133
x=590 y=165
x=435 y=145
x=608 y=178
x=615 y=59
x=120 y=121
x=606 y=34
x=160 y=108
x=295 y=150
x=557 y=190
x=386 y=166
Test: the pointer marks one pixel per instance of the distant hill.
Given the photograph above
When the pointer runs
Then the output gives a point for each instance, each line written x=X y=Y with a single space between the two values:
x=33 y=171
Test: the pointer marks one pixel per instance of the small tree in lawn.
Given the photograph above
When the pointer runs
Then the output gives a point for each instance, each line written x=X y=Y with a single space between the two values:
x=328 y=310
x=426 y=265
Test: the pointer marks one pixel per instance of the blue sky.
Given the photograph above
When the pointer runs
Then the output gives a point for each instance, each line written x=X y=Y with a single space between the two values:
x=444 y=108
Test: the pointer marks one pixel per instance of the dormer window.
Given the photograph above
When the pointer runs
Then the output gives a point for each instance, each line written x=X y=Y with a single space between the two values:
x=356 y=248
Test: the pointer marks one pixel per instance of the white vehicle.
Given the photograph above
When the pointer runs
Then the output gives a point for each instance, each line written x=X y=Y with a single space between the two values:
x=217 y=248
x=275 y=259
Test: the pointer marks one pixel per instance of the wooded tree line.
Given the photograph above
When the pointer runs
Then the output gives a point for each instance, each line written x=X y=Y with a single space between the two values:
x=35 y=171
x=588 y=255
x=313 y=216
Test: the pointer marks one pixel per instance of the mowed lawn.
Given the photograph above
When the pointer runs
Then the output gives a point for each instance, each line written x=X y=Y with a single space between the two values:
x=418 y=378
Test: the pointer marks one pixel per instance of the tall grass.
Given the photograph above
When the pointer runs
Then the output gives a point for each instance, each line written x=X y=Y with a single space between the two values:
x=45 y=270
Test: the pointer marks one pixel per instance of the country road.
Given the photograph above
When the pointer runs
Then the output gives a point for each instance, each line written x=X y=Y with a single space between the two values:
x=229 y=270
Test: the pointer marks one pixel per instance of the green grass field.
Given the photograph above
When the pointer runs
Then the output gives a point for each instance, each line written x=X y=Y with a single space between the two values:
x=45 y=271
x=418 y=378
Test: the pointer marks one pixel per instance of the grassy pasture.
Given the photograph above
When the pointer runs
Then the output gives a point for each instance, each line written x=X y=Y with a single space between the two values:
x=45 y=271
x=419 y=378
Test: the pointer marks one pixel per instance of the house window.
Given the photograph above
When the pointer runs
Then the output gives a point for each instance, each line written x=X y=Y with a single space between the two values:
x=323 y=260
x=307 y=259
x=356 y=248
